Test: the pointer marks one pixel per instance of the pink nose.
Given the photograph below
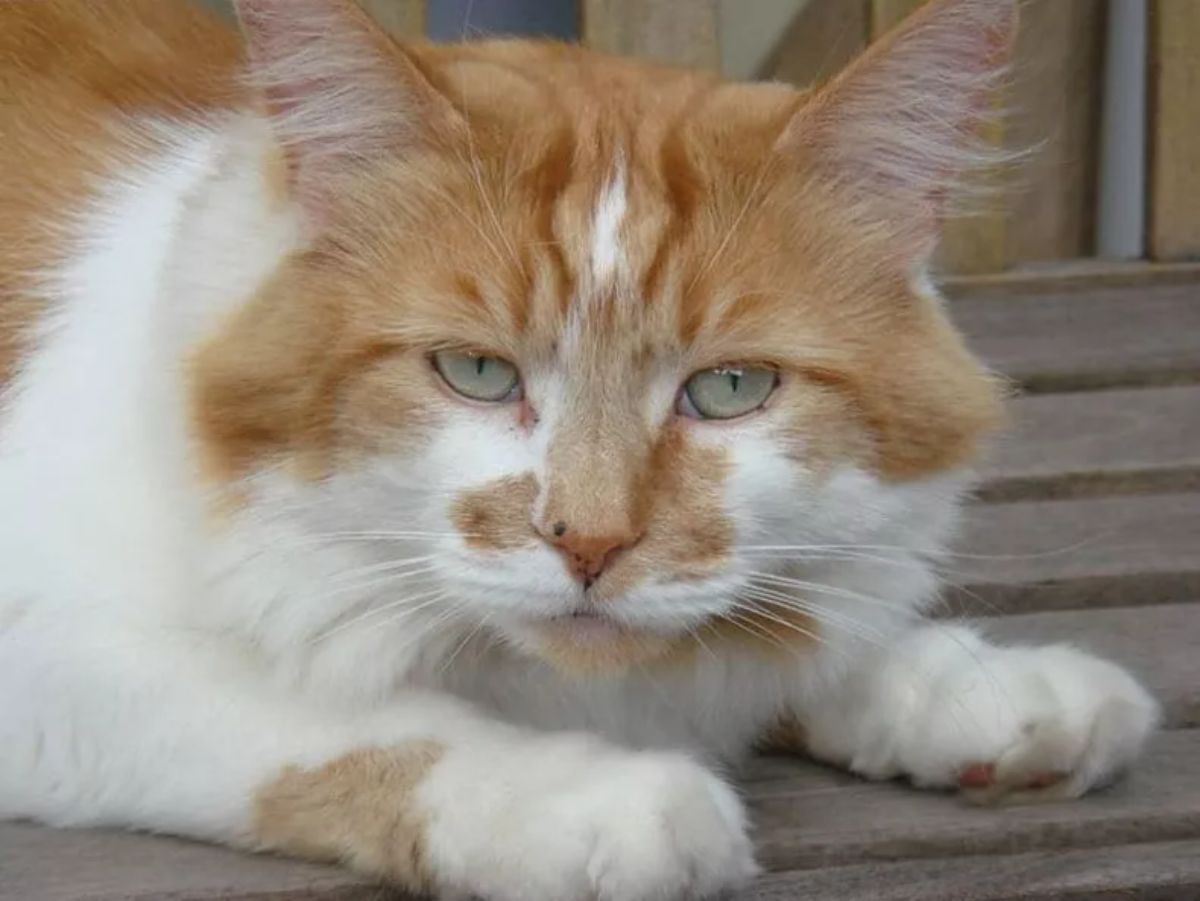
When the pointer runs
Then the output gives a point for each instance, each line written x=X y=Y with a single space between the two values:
x=587 y=556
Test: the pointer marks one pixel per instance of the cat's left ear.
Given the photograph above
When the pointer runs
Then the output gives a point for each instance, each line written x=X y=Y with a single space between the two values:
x=338 y=89
x=900 y=127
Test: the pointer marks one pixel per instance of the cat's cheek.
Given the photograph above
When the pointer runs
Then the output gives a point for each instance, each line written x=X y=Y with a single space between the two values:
x=766 y=491
x=481 y=470
x=496 y=516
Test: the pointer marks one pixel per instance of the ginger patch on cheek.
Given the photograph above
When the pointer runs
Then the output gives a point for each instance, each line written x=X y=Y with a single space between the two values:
x=688 y=531
x=497 y=516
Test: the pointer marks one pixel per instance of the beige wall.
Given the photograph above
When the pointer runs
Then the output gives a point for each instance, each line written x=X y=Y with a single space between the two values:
x=222 y=6
x=749 y=30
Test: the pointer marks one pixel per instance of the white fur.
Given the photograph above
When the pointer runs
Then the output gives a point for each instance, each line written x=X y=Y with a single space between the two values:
x=568 y=817
x=157 y=667
x=607 y=253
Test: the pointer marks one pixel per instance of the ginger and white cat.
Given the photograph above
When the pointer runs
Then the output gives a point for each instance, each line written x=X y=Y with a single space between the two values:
x=438 y=458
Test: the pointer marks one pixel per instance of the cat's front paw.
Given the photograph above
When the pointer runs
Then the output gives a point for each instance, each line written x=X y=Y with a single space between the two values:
x=1018 y=724
x=603 y=825
x=669 y=829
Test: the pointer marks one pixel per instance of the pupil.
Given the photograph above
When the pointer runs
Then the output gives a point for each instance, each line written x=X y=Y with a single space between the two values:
x=480 y=363
x=734 y=379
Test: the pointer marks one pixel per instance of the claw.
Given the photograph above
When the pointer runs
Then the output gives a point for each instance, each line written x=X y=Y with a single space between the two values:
x=977 y=775
x=1045 y=780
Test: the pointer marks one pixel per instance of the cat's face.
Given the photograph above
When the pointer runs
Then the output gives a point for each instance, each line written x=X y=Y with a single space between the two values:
x=608 y=335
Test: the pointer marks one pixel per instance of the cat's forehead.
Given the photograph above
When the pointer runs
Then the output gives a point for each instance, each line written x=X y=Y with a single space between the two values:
x=617 y=216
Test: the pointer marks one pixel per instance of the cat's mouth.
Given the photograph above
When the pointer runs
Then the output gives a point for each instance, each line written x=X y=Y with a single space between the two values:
x=590 y=641
x=584 y=627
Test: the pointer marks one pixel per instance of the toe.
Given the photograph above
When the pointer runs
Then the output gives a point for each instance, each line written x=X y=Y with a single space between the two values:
x=1045 y=780
x=977 y=775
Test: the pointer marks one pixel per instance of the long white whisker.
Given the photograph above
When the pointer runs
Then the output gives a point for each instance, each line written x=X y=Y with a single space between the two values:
x=450 y=614
x=820 y=588
x=955 y=577
x=385 y=579
x=795 y=627
x=1065 y=549
x=830 y=617
x=395 y=566
x=434 y=597
x=462 y=644
x=751 y=628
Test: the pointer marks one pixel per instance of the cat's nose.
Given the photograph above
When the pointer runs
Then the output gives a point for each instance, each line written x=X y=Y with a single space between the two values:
x=586 y=555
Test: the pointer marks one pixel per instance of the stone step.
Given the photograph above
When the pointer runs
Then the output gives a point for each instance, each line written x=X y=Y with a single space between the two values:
x=1100 y=442
x=1088 y=553
x=1169 y=871
x=1071 y=338
x=810 y=817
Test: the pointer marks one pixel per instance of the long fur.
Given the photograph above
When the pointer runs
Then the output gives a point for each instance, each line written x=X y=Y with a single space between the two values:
x=267 y=579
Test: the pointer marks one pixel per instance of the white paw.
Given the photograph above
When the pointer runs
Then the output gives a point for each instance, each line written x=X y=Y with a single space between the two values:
x=589 y=822
x=1008 y=724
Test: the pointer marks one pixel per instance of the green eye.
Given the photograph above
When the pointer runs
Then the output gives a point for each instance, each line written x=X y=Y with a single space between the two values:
x=478 y=377
x=727 y=391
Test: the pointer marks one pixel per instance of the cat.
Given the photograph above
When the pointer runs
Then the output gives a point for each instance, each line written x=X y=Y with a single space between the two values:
x=448 y=460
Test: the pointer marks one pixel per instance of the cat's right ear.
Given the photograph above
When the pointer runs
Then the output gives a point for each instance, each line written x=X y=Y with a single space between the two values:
x=338 y=90
x=899 y=127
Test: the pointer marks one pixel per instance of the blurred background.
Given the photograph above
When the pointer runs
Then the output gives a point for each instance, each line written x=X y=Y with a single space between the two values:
x=1103 y=93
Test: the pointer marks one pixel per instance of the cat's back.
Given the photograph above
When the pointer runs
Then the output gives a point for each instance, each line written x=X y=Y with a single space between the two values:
x=77 y=79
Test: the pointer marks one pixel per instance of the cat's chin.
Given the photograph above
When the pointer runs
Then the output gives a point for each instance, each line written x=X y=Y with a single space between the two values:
x=585 y=629
x=593 y=643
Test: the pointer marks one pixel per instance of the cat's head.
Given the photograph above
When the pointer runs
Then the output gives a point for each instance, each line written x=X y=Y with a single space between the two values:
x=606 y=333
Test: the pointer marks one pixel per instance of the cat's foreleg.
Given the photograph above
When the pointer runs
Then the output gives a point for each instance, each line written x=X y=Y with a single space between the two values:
x=944 y=708
x=425 y=792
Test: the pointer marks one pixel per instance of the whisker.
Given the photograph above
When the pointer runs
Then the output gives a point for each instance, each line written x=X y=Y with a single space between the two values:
x=812 y=636
x=822 y=616
x=828 y=617
x=385 y=579
x=462 y=644
x=956 y=577
x=386 y=535
x=428 y=598
x=751 y=197
x=394 y=566
x=821 y=588
x=694 y=633
x=787 y=624
x=452 y=613
x=1033 y=555
x=751 y=628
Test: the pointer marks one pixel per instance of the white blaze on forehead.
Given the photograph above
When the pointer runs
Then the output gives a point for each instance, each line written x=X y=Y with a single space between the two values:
x=606 y=227
x=606 y=260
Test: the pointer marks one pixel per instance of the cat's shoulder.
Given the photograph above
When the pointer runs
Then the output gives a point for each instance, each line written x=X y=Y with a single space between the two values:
x=78 y=81
x=127 y=53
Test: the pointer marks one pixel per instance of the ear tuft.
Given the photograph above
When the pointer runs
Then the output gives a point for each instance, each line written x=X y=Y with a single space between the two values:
x=902 y=124
x=337 y=88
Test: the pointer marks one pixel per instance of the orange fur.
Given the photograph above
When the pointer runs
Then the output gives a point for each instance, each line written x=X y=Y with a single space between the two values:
x=473 y=233
x=787 y=736
x=807 y=289
x=496 y=516
x=72 y=75
x=357 y=809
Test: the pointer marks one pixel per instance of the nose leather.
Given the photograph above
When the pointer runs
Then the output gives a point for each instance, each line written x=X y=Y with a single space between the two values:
x=586 y=555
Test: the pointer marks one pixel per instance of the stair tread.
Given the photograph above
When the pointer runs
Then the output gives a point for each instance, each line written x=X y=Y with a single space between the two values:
x=1086 y=443
x=1070 y=339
